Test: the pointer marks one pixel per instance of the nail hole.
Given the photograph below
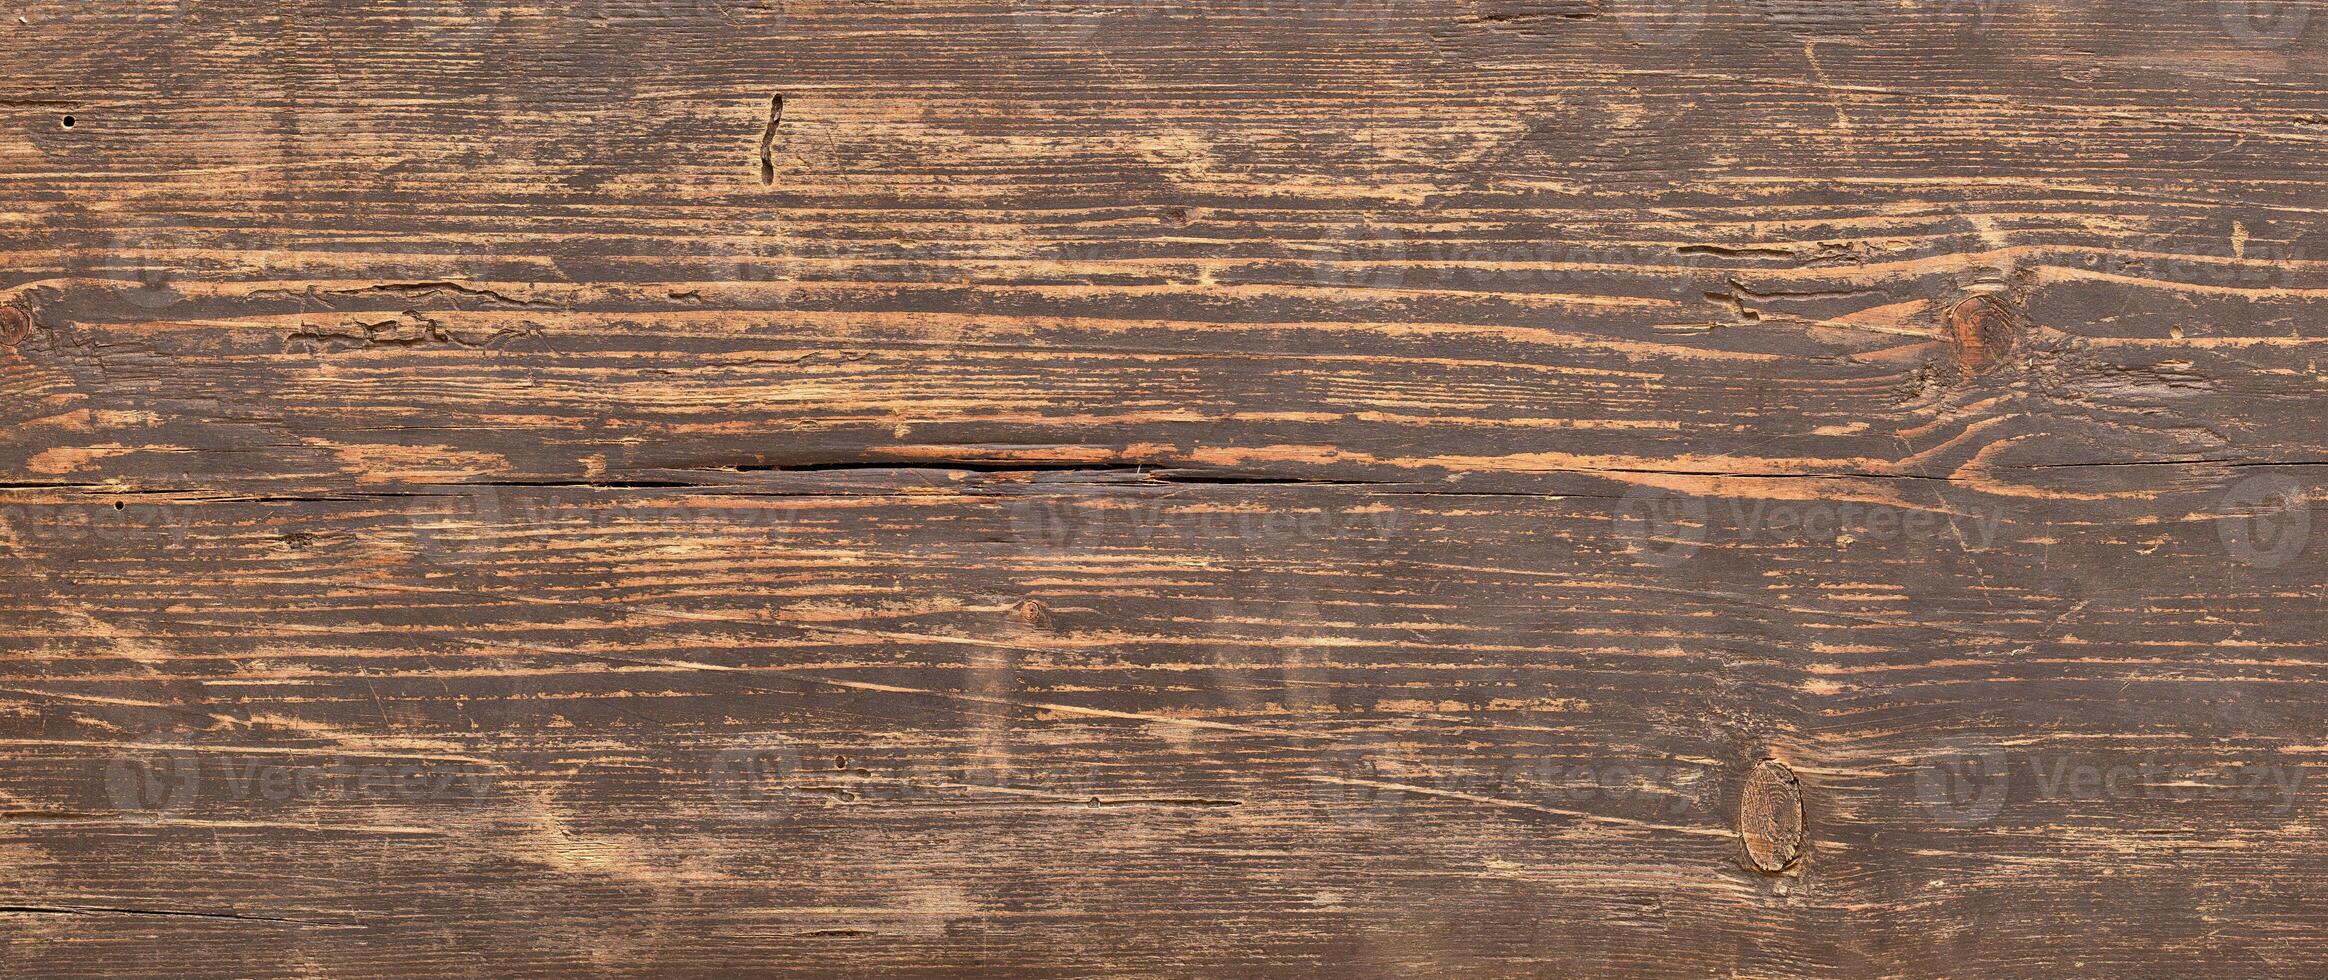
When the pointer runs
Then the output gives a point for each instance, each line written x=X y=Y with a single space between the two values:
x=68 y=121
x=117 y=505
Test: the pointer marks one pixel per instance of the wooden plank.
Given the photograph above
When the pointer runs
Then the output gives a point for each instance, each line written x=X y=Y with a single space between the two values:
x=1761 y=487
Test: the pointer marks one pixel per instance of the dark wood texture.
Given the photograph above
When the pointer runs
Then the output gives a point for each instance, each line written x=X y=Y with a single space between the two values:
x=1774 y=488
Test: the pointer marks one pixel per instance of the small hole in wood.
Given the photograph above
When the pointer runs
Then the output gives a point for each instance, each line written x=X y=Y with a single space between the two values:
x=68 y=121
x=117 y=505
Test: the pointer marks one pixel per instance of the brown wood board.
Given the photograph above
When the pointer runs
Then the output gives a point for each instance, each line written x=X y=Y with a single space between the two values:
x=1774 y=488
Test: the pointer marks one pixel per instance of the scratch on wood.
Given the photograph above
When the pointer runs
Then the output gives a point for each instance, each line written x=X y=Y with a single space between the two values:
x=768 y=139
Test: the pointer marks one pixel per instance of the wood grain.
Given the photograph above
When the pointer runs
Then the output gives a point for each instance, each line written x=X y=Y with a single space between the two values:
x=1777 y=488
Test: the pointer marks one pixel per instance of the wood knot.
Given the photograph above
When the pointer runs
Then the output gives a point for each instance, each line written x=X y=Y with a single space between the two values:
x=1031 y=613
x=15 y=325
x=1983 y=329
x=1770 y=817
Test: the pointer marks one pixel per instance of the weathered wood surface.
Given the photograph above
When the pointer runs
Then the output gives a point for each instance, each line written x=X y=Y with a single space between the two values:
x=1162 y=488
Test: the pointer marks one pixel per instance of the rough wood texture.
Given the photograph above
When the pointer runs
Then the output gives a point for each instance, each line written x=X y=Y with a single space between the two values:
x=1777 y=488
